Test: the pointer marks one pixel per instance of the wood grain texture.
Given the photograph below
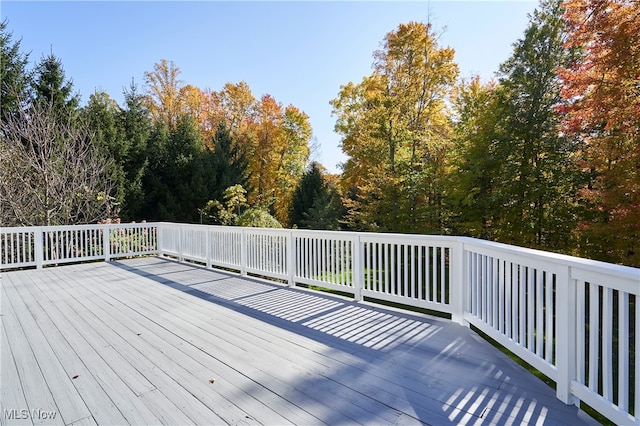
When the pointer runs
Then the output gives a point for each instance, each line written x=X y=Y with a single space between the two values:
x=155 y=341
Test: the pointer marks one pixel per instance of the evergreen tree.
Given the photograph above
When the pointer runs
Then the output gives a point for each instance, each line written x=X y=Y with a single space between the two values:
x=231 y=166
x=316 y=203
x=157 y=194
x=102 y=115
x=136 y=123
x=310 y=188
x=13 y=74
x=181 y=174
x=49 y=85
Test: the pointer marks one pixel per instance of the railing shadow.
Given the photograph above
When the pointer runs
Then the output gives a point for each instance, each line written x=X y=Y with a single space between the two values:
x=403 y=367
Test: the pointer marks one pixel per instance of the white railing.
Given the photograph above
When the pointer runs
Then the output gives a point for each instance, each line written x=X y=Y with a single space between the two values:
x=22 y=247
x=575 y=320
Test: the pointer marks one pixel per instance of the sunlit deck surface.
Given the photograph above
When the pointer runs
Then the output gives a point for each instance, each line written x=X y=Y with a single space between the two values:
x=152 y=340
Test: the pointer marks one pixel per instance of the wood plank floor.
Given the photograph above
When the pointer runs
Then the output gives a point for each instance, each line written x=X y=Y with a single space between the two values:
x=155 y=341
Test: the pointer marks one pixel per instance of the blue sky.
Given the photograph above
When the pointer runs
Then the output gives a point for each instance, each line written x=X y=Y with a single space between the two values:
x=298 y=52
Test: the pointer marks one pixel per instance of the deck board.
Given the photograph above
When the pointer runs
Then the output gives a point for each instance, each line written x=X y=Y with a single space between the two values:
x=102 y=388
x=145 y=336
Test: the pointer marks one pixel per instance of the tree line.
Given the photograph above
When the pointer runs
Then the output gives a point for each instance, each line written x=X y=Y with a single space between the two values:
x=545 y=155
x=171 y=152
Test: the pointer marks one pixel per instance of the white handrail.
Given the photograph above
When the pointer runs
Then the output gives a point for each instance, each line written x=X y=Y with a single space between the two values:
x=22 y=247
x=575 y=320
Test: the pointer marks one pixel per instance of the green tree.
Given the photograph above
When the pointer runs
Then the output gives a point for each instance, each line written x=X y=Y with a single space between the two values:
x=475 y=167
x=235 y=210
x=137 y=127
x=49 y=85
x=229 y=161
x=537 y=177
x=316 y=203
x=102 y=114
x=13 y=74
x=257 y=217
x=181 y=172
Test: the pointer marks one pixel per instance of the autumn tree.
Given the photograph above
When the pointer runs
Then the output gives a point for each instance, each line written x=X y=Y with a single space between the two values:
x=164 y=92
x=277 y=150
x=292 y=158
x=235 y=103
x=602 y=108
x=396 y=133
x=266 y=138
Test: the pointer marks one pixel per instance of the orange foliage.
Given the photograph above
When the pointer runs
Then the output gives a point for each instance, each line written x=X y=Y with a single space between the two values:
x=602 y=95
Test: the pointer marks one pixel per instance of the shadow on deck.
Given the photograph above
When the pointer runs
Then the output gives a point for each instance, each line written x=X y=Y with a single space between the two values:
x=159 y=341
x=415 y=367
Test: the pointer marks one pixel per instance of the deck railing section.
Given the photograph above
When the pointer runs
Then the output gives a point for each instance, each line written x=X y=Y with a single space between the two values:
x=52 y=245
x=18 y=247
x=607 y=341
x=325 y=259
x=574 y=320
x=409 y=269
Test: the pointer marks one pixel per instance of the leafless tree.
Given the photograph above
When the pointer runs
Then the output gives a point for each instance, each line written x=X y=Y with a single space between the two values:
x=51 y=171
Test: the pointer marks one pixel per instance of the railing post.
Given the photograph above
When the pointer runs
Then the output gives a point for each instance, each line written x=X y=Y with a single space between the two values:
x=159 y=239
x=180 y=255
x=457 y=285
x=358 y=268
x=39 y=246
x=106 y=246
x=566 y=335
x=208 y=249
x=243 y=253
x=291 y=258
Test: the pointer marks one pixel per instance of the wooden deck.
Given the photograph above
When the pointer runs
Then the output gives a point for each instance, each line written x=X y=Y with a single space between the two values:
x=155 y=341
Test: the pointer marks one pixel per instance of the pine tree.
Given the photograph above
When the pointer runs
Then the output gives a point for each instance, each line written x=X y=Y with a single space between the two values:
x=136 y=123
x=49 y=85
x=231 y=166
x=102 y=116
x=13 y=73
x=316 y=203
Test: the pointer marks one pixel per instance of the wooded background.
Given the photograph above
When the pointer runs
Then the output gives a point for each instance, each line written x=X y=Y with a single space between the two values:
x=546 y=155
